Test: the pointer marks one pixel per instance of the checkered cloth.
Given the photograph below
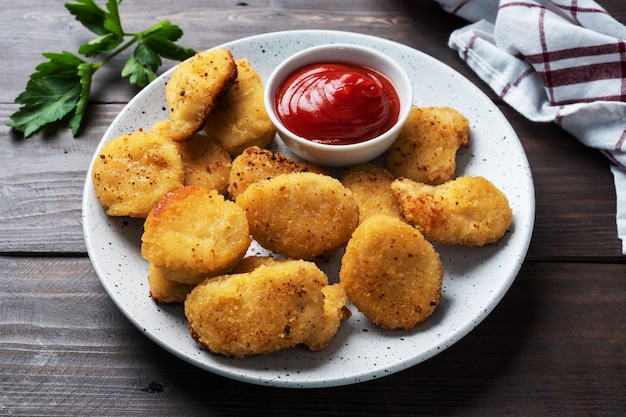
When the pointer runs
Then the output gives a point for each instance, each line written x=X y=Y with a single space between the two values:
x=554 y=60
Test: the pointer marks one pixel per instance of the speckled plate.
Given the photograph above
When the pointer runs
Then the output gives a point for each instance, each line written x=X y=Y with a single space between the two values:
x=475 y=279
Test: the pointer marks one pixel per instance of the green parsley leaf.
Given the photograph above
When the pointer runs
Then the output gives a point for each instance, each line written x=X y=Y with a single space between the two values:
x=161 y=39
x=89 y=14
x=85 y=71
x=141 y=66
x=112 y=21
x=51 y=93
x=59 y=88
x=156 y=42
x=100 y=44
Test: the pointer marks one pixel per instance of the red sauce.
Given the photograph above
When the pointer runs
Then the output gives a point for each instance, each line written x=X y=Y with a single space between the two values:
x=337 y=103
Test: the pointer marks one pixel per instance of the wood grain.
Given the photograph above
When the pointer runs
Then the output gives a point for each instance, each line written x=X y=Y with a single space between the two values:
x=541 y=352
x=554 y=346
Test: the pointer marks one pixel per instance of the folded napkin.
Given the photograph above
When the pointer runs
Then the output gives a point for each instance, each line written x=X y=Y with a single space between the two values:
x=554 y=60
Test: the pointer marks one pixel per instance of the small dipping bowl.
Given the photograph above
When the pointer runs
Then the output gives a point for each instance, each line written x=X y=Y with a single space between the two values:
x=337 y=155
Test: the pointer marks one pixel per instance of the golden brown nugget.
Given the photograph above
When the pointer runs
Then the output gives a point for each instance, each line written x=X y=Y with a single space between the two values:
x=468 y=211
x=300 y=215
x=335 y=310
x=274 y=307
x=193 y=232
x=256 y=164
x=205 y=162
x=163 y=290
x=371 y=188
x=240 y=120
x=250 y=263
x=426 y=148
x=391 y=273
x=133 y=171
x=194 y=89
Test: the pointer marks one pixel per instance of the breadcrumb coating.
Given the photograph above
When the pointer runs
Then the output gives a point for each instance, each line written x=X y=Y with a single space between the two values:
x=300 y=215
x=194 y=232
x=273 y=307
x=133 y=171
x=240 y=120
x=468 y=210
x=425 y=151
x=194 y=89
x=391 y=273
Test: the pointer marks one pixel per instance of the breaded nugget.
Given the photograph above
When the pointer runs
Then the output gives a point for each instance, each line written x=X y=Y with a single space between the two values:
x=335 y=310
x=274 y=307
x=133 y=171
x=300 y=215
x=193 y=232
x=468 y=211
x=163 y=290
x=391 y=273
x=256 y=164
x=205 y=162
x=194 y=89
x=371 y=188
x=240 y=120
x=250 y=263
x=426 y=148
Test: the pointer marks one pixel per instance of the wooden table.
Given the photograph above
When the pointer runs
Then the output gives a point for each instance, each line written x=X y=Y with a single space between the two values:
x=555 y=345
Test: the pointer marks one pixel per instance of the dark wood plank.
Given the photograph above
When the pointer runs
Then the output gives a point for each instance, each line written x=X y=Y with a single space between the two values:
x=554 y=346
x=41 y=183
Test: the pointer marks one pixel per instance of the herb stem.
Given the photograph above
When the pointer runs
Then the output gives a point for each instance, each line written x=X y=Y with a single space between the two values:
x=118 y=51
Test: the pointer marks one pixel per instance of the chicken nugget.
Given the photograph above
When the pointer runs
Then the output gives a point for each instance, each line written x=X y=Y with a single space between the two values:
x=194 y=89
x=163 y=290
x=193 y=233
x=335 y=310
x=391 y=273
x=273 y=307
x=256 y=164
x=240 y=120
x=133 y=171
x=371 y=188
x=205 y=162
x=250 y=263
x=426 y=148
x=469 y=210
x=300 y=215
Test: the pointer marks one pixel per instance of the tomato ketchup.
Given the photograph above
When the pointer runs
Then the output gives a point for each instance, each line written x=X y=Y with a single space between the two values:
x=337 y=103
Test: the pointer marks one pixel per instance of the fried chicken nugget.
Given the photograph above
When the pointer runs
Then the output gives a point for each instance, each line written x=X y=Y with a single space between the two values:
x=391 y=273
x=250 y=263
x=335 y=310
x=193 y=233
x=194 y=89
x=240 y=120
x=371 y=188
x=256 y=164
x=469 y=210
x=300 y=215
x=273 y=307
x=133 y=171
x=163 y=290
x=426 y=148
x=205 y=162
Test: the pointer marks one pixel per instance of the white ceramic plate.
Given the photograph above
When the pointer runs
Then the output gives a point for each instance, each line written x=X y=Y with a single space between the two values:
x=475 y=279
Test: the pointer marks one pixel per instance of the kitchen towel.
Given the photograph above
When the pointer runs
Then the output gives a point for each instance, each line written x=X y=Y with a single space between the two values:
x=562 y=61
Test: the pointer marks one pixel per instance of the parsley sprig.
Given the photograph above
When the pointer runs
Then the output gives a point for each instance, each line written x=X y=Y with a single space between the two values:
x=59 y=88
